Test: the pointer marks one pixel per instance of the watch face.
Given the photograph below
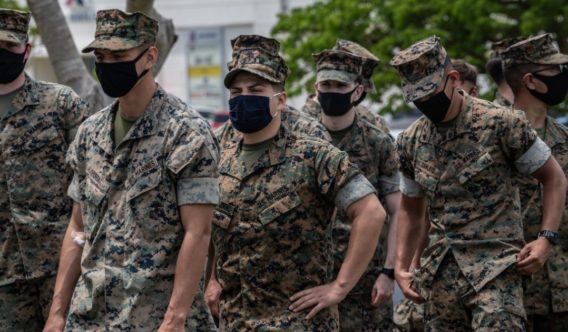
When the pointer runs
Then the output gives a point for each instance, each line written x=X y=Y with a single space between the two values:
x=549 y=235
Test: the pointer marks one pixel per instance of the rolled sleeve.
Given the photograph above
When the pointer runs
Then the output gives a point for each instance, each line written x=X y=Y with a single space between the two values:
x=357 y=188
x=534 y=158
x=410 y=187
x=198 y=191
x=389 y=184
x=73 y=190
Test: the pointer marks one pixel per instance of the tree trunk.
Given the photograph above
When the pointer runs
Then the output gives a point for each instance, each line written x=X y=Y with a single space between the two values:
x=63 y=54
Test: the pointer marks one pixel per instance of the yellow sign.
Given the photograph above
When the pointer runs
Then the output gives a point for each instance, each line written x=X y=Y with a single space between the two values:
x=204 y=71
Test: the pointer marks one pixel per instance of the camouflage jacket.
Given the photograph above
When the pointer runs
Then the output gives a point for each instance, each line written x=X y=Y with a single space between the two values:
x=34 y=209
x=550 y=284
x=292 y=119
x=313 y=109
x=130 y=195
x=272 y=230
x=501 y=100
x=374 y=152
x=467 y=177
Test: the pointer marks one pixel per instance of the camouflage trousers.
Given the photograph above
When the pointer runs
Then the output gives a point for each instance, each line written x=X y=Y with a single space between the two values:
x=453 y=304
x=200 y=318
x=553 y=322
x=408 y=317
x=356 y=314
x=24 y=304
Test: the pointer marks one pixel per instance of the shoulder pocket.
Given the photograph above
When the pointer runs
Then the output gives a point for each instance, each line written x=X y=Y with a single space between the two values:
x=223 y=214
x=280 y=207
x=475 y=168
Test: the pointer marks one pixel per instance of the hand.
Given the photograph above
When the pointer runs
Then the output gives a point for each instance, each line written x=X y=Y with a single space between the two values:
x=54 y=323
x=404 y=280
x=533 y=256
x=173 y=322
x=319 y=297
x=383 y=289
x=212 y=295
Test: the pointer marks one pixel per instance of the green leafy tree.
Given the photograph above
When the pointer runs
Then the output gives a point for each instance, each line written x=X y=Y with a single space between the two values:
x=466 y=27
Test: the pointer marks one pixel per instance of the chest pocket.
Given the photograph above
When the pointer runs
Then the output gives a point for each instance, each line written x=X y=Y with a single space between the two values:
x=144 y=184
x=223 y=215
x=472 y=170
x=280 y=207
x=33 y=142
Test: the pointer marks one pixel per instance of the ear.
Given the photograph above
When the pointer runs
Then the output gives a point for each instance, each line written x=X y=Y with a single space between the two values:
x=28 y=51
x=454 y=78
x=529 y=81
x=152 y=56
x=281 y=101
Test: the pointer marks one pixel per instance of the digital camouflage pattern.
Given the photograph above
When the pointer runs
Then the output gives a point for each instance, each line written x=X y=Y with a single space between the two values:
x=421 y=68
x=291 y=118
x=547 y=291
x=118 y=31
x=257 y=55
x=34 y=207
x=540 y=49
x=336 y=65
x=500 y=46
x=466 y=175
x=408 y=316
x=496 y=307
x=14 y=26
x=129 y=193
x=313 y=109
x=374 y=153
x=369 y=64
x=501 y=100
x=272 y=230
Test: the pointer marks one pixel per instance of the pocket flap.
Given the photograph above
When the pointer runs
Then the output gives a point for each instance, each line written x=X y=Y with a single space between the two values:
x=280 y=207
x=223 y=215
x=475 y=168
x=144 y=184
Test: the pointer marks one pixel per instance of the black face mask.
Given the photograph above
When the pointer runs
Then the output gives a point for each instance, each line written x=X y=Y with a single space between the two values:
x=335 y=103
x=437 y=106
x=11 y=65
x=557 y=88
x=118 y=78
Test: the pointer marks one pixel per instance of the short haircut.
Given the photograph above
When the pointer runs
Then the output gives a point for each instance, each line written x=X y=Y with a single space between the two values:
x=514 y=75
x=494 y=67
x=467 y=71
x=278 y=87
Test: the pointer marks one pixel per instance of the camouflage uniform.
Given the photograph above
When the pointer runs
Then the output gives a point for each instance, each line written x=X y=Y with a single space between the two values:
x=408 y=316
x=546 y=292
x=466 y=175
x=374 y=152
x=496 y=49
x=272 y=229
x=34 y=209
x=131 y=191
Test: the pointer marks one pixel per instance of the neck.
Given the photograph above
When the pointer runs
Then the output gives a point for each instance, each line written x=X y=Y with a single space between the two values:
x=14 y=85
x=534 y=109
x=505 y=91
x=134 y=103
x=455 y=106
x=265 y=134
x=336 y=123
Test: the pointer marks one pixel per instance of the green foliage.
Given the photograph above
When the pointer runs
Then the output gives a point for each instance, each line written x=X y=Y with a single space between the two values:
x=11 y=4
x=466 y=27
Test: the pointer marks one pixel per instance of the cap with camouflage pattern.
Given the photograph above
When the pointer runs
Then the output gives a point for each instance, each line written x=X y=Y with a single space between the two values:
x=14 y=26
x=500 y=46
x=540 y=50
x=119 y=31
x=336 y=65
x=257 y=55
x=369 y=65
x=421 y=68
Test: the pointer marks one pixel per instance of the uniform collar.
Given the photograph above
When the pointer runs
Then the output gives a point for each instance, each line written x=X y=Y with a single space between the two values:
x=462 y=123
x=27 y=96
x=555 y=133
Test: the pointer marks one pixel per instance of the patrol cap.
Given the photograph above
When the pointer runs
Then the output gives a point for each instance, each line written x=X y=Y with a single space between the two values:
x=14 y=25
x=336 y=65
x=421 y=68
x=500 y=46
x=257 y=55
x=540 y=50
x=119 y=31
x=369 y=64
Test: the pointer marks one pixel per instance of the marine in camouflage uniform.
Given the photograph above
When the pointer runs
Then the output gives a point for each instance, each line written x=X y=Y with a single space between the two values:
x=38 y=121
x=494 y=67
x=312 y=106
x=272 y=230
x=463 y=169
x=374 y=152
x=546 y=292
x=132 y=194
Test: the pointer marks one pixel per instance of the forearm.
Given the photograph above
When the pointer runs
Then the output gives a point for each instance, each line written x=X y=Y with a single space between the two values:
x=365 y=230
x=210 y=272
x=410 y=226
x=392 y=204
x=422 y=244
x=554 y=196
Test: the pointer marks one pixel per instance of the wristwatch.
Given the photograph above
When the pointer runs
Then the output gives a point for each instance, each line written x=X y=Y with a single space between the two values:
x=551 y=236
x=388 y=272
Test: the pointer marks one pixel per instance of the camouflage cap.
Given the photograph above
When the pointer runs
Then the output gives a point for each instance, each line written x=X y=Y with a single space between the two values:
x=14 y=25
x=369 y=64
x=336 y=65
x=500 y=46
x=119 y=31
x=540 y=50
x=257 y=55
x=421 y=68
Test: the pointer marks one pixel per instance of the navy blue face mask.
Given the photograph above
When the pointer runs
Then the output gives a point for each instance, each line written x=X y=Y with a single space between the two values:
x=250 y=113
